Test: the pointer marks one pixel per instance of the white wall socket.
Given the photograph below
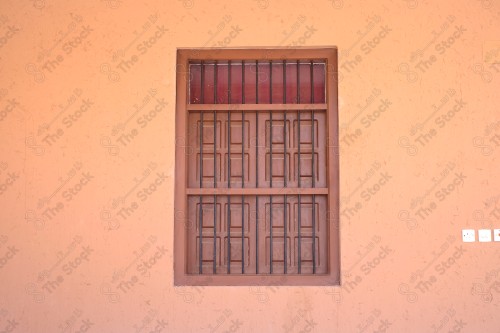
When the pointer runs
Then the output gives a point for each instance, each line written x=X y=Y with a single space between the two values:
x=484 y=235
x=496 y=235
x=468 y=235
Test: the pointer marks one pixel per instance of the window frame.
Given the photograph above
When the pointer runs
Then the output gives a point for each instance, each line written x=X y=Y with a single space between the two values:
x=184 y=55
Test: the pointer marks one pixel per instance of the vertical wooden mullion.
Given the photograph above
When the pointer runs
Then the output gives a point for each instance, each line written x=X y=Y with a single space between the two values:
x=299 y=173
x=285 y=172
x=214 y=268
x=229 y=168
x=242 y=168
x=271 y=168
x=313 y=175
x=200 y=210
x=256 y=168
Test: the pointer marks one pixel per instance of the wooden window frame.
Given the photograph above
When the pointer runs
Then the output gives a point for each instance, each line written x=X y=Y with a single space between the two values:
x=181 y=190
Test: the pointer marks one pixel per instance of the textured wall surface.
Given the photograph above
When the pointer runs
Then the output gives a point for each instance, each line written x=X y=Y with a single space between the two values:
x=87 y=100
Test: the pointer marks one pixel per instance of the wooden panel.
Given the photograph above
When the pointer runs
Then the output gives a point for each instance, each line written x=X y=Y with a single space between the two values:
x=257 y=222
x=261 y=73
x=223 y=224
x=256 y=150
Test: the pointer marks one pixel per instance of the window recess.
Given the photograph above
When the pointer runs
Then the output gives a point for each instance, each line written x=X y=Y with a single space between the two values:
x=257 y=173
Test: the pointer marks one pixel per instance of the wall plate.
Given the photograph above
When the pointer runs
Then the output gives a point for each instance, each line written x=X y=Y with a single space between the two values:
x=484 y=235
x=496 y=235
x=468 y=235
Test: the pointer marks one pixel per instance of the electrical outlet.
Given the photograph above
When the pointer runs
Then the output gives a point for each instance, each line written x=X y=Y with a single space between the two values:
x=484 y=235
x=468 y=235
x=496 y=235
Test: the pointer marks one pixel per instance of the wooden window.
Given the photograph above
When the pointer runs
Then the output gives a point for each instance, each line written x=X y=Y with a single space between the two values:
x=256 y=178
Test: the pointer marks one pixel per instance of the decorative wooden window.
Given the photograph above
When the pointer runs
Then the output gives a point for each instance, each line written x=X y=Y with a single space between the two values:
x=256 y=178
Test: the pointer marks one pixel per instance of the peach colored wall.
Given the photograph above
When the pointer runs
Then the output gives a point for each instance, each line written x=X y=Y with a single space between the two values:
x=418 y=97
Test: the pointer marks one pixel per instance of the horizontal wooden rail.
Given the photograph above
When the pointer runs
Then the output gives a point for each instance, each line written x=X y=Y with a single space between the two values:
x=258 y=191
x=255 y=107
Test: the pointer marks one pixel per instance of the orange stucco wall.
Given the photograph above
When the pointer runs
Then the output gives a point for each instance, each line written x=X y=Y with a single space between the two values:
x=82 y=248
